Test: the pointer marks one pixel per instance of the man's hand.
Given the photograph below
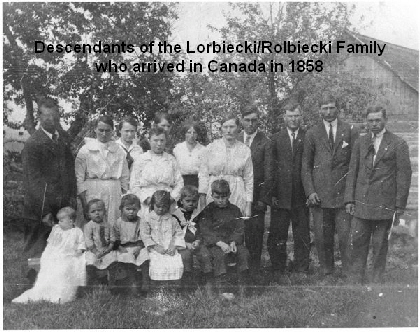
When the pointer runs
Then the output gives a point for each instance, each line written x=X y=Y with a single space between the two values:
x=313 y=199
x=189 y=245
x=195 y=244
x=350 y=208
x=261 y=206
x=48 y=219
x=399 y=212
x=224 y=246
x=233 y=247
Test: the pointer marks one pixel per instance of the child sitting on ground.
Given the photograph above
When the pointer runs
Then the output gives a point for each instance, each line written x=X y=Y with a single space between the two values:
x=125 y=236
x=99 y=254
x=222 y=233
x=163 y=237
x=62 y=263
x=185 y=215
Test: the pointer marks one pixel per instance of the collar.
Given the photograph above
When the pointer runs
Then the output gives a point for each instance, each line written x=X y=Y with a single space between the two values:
x=92 y=144
x=131 y=147
x=154 y=216
x=291 y=131
x=252 y=136
x=49 y=134
x=380 y=134
x=148 y=155
x=327 y=124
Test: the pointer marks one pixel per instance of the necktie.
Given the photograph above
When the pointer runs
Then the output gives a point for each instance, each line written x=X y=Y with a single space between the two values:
x=130 y=159
x=55 y=137
x=371 y=152
x=374 y=149
x=293 y=141
x=331 y=137
x=248 y=140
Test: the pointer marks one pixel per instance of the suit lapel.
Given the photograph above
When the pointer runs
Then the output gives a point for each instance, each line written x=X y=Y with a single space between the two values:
x=256 y=141
x=383 y=147
x=338 y=135
x=299 y=141
x=47 y=142
x=323 y=136
x=285 y=139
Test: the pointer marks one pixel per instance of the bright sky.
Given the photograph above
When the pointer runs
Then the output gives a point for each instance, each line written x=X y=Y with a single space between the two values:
x=394 y=22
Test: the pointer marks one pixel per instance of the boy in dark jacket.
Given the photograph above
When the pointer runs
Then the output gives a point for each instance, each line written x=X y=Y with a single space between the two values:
x=221 y=232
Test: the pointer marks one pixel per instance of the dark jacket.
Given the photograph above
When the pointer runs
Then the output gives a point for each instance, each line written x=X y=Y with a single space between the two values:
x=377 y=190
x=220 y=224
x=48 y=168
x=287 y=170
x=324 y=170
x=262 y=162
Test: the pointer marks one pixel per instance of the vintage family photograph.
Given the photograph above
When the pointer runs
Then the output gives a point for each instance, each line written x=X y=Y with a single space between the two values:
x=186 y=165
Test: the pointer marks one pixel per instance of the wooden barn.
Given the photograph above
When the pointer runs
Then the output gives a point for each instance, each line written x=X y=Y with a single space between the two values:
x=395 y=73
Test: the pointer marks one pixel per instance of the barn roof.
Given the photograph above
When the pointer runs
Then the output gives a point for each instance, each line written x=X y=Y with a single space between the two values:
x=403 y=61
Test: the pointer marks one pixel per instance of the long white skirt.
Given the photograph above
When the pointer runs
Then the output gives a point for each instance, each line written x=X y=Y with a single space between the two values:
x=165 y=267
x=58 y=279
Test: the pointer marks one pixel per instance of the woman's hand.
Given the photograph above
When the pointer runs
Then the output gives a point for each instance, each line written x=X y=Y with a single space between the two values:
x=247 y=213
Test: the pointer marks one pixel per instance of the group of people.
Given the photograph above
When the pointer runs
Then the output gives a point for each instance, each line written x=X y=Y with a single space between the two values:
x=153 y=205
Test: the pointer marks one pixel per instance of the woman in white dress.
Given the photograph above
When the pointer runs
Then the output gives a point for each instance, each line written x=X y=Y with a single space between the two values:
x=62 y=268
x=155 y=170
x=229 y=159
x=188 y=154
x=102 y=169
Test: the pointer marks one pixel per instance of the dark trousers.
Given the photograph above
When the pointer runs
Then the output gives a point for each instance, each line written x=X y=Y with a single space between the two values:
x=362 y=231
x=187 y=259
x=277 y=239
x=326 y=222
x=35 y=237
x=213 y=258
x=254 y=234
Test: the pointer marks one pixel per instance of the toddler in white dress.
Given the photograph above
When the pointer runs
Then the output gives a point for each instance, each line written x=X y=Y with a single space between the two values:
x=62 y=263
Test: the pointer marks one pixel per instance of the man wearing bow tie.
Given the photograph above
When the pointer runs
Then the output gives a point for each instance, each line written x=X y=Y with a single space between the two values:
x=325 y=164
x=49 y=178
x=289 y=200
x=261 y=154
x=376 y=192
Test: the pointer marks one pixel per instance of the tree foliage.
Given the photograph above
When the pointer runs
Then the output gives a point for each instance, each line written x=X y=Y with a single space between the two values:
x=73 y=77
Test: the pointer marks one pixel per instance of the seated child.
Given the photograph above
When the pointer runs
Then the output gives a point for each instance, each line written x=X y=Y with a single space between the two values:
x=185 y=215
x=125 y=235
x=99 y=254
x=163 y=237
x=62 y=263
x=221 y=233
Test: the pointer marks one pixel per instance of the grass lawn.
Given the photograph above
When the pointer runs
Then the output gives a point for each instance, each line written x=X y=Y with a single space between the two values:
x=296 y=304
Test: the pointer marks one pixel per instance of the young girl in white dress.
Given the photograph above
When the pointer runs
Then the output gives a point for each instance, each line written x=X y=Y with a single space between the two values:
x=162 y=236
x=62 y=268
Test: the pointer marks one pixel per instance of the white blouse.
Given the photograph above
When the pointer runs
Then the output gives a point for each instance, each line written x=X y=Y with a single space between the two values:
x=101 y=161
x=189 y=161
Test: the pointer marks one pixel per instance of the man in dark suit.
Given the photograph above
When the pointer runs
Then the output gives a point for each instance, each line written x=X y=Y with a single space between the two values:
x=325 y=165
x=261 y=155
x=376 y=192
x=49 y=178
x=289 y=200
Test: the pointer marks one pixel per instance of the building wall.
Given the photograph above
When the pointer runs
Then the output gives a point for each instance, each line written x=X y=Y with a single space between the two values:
x=403 y=97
